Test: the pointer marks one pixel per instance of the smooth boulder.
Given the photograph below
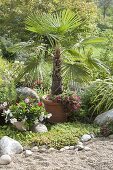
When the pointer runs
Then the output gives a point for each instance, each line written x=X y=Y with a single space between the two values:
x=9 y=146
x=27 y=92
x=104 y=117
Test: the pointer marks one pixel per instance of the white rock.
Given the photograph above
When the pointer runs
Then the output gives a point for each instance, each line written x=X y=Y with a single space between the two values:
x=92 y=135
x=28 y=153
x=80 y=147
x=20 y=125
x=104 y=117
x=26 y=148
x=76 y=149
x=85 y=138
x=40 y=128
x=79 y=143
x=86 y=148
x=42 y=150
x=5 y=159
x=72 y=147
x=10 y=146
x=66 y=147
x=35 y=149
x=62 y=149
x=110 y=136
x=52 y=149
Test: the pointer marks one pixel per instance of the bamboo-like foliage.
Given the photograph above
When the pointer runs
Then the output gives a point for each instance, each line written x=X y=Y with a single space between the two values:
x=99 y=97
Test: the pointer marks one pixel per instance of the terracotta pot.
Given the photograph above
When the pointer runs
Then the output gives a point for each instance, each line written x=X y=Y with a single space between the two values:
x=56 y=109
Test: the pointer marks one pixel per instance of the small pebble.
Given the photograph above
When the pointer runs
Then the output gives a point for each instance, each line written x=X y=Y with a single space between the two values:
x=42 y=150
x=80 y=143
x=5 y=159
x=62 y=149
x=66 y=147
x=52 y=149
x=86 y=148
x=80 y=147
x=92 y=135
x=110 y=136
x=28 y=153
x=26 y=148
x=72 y=147
x=76 y=149
x=35 y=149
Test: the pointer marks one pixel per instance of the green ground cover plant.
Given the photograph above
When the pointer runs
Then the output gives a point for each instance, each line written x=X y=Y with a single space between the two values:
x=58 y=135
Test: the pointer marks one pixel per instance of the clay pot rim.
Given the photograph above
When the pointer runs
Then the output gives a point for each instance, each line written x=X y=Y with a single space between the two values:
x=49 y=101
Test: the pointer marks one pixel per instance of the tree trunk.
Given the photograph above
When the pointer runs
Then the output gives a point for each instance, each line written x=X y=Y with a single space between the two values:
x=56 y=88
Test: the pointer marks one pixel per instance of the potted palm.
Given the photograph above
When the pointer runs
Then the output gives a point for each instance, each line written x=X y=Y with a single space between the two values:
x=57 y=31
x=54 y=28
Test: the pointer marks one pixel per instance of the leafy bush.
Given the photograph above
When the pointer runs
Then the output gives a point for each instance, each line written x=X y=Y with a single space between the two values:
x=5 y=71
x=8 y=93
x=7 y=85
x=107 y=128
x=28 y=110
x=4 y=45
x=97 y=98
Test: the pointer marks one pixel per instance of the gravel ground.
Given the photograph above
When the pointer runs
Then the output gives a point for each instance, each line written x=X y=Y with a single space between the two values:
x=100 y=157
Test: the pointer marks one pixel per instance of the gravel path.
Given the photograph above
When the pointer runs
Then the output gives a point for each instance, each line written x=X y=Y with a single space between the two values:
x=100 y=157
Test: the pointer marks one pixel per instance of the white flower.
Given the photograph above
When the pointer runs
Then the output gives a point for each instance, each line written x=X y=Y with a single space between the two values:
x=7 y=112
x=41 y=118
x=5 y=104
x=14 y=120
x=49 y=115
x=36 y=121
x=16 y=62
x=22 y=62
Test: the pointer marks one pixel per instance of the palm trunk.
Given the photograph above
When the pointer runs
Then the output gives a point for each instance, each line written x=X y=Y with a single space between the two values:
x=56 y=88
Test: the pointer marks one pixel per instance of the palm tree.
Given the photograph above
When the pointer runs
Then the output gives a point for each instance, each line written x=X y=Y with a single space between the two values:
x=54 y=28
x=56 y=31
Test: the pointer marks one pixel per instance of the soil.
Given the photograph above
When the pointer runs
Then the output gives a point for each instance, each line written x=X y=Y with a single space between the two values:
x=100 y=157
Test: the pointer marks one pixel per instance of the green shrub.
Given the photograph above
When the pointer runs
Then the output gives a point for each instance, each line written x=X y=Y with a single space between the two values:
x=97 y=98
x=8 y=93
x=7 y=85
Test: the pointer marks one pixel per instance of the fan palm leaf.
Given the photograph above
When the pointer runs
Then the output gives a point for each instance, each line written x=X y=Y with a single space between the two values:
x=35 y=66
x=76 y=71
x=53 y=26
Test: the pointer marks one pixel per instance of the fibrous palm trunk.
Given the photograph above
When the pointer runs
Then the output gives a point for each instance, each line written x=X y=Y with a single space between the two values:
x=56 y=88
